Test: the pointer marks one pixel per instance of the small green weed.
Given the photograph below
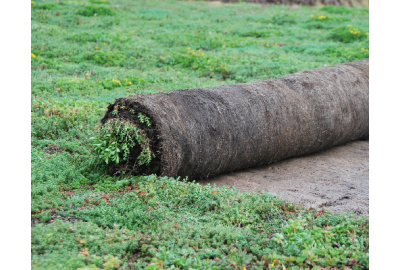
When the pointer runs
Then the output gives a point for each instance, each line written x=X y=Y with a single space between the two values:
x=95 y=10
x=49 y=6
x=118 y=138
x=144 y=119
x=207 y=64
x=349 y=34
x=337 y=9
x=106 y=58
x=100 y=2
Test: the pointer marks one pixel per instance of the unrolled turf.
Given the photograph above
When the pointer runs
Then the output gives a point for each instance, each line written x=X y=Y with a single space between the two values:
x=203 y=132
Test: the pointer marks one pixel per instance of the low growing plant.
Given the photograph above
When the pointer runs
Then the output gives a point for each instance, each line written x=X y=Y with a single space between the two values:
x=117 y=140
x=349 y=34
x=92 y=10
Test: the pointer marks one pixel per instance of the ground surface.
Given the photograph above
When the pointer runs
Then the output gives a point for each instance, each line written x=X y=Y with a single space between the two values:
x=336 y=179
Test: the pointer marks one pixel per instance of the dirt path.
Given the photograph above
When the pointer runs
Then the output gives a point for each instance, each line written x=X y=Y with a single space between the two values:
x=336 y=179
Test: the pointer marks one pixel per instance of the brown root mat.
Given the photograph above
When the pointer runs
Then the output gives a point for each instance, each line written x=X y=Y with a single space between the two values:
x=300 y=2
x=204 y=132
x=336 y=179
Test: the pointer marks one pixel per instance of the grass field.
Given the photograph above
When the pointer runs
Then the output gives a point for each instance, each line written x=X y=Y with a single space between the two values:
x=87 y=53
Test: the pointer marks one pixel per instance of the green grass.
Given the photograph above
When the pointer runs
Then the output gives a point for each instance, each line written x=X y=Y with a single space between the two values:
x=87 y=53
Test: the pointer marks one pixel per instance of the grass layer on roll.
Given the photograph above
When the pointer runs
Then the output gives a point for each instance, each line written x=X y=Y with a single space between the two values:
x=124 y=145
x=87 y=53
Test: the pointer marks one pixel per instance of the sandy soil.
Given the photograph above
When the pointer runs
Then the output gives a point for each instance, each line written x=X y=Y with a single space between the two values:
x=336 y=179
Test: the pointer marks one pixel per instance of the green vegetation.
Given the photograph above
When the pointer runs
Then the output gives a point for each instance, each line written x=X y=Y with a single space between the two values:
x=118 y=138
x=95 y=10
x=87 y=53
x=349 y=34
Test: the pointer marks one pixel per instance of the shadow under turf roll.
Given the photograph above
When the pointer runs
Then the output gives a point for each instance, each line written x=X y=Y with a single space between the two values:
x=207 y=131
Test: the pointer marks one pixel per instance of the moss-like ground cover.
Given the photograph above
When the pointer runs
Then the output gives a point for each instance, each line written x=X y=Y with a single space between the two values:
x=87 y=53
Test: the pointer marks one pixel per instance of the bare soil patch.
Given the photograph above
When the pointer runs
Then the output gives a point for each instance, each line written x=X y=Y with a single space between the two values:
x=337 y=179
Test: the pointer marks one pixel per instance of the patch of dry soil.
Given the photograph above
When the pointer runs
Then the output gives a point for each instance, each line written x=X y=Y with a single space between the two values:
x=337 y=179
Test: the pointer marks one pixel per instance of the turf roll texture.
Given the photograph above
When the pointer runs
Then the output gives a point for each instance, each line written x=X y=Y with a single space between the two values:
x=301 y=2
x=203 y=132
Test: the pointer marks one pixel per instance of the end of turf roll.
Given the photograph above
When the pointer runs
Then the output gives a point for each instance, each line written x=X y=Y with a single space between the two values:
x=127 y=141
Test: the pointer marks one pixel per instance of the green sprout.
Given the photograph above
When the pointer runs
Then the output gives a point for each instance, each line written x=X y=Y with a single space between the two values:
x=118 y=138
x=144 y=119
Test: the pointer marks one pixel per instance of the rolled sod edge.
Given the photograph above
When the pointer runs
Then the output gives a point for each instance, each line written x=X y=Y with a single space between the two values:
x=302 y=2
x=203 y=132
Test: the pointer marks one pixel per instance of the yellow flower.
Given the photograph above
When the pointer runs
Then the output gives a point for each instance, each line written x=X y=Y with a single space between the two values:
x=312 y=16
x=322 y=17
x=272 y=265
x=355 y=31
x=97 y=48
x=33 y=55
x=367 y=34
x=105 y=43
x=162 y=57
x=32 y=2
x=129 y=83
x=244 y=268
x=201 y=54
x=364 y=50
x=114 y=80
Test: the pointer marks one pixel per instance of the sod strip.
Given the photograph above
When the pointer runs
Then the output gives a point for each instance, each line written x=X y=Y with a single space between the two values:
x=203 y=132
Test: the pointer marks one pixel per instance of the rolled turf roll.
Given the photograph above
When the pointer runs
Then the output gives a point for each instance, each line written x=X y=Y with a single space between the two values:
x=203 y=132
